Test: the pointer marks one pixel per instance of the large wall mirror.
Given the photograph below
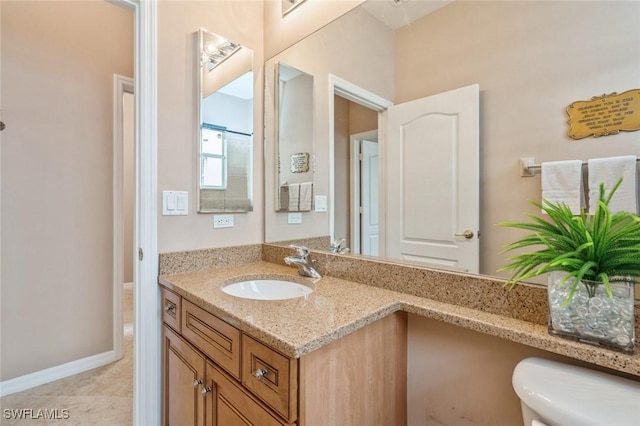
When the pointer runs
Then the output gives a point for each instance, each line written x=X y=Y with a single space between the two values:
x=225 y=124
x=294 y=106
x=530 y=60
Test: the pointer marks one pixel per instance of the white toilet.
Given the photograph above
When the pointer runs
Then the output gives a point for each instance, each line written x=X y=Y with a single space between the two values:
x=556 y=394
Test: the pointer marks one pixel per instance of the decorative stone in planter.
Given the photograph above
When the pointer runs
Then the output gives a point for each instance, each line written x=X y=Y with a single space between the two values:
x=591 y=316
x=597 y=249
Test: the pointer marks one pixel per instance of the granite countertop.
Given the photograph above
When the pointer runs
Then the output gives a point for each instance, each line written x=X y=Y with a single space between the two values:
x=338 y=307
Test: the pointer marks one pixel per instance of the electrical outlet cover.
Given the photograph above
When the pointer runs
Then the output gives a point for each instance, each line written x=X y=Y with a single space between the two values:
x=222 y=221
x=294 y=218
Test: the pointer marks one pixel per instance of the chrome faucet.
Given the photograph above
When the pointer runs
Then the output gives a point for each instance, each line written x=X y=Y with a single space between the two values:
x=303 y=261
x=338 y=246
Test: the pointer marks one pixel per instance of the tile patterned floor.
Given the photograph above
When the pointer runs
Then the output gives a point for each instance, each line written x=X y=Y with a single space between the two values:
x=102 y=396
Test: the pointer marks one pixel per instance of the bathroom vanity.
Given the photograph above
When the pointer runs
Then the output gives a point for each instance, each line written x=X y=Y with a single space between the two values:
x=214 y=373
x=370 y=332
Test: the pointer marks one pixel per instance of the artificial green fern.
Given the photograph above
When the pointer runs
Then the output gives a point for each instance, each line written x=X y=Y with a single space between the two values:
x=602 y=247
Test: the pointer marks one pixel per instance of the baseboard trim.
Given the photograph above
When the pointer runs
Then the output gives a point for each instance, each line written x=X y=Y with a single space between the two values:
x=41 y=377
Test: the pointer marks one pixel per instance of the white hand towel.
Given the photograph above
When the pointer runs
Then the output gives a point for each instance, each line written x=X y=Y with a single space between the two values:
x=306 y=193
x=608 y=171
x=284 y=197
x=294 y=197
x=562 y=183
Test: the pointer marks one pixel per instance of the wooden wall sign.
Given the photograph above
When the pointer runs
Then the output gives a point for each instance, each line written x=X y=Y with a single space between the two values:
x=300 y=162
x=605 y=115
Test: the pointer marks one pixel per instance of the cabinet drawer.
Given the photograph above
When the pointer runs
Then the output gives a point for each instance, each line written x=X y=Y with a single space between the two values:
x=271 y=376
x=229 y=404
x=217 y=339
x=171 y=307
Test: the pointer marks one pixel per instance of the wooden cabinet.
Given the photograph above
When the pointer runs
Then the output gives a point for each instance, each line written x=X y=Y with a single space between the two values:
x=171 y=308
x=183 y=371
x=218 y=340
x=198 y=393
x=214 y=374
x=271 y=376
x=229 y=404
x=360 y=379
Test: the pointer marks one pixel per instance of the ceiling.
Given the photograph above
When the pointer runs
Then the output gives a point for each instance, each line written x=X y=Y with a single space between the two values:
x=398 y=13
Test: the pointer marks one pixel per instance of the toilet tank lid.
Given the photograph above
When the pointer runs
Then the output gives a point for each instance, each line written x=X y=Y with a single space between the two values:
x=571 y=395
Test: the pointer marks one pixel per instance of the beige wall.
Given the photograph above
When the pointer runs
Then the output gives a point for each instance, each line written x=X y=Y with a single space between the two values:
x=334 y=53
x=240 y=21
x=57 y=242
x=295 y=127
x=350 y=118
x=531 y=60
x=342 y=167
x=461 y=377
x=129 y=182
x=361 y=119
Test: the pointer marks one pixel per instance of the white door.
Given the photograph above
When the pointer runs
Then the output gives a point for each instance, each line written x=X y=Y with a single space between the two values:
x=369 y=179
x=432 y=191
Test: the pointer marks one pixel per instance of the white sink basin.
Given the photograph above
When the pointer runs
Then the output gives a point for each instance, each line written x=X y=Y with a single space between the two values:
x=267 y=289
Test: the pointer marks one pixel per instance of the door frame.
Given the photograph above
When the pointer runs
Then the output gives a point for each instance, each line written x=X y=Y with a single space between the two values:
x=355 y=185
x=354 y=93
x=146 y=299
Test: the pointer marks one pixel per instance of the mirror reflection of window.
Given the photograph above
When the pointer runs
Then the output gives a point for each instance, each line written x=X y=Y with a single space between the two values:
x=225 y=125
x=213 y=159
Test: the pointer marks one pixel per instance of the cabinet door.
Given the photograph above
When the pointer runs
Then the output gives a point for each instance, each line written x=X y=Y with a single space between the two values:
x=228 y=404
x=183 y=377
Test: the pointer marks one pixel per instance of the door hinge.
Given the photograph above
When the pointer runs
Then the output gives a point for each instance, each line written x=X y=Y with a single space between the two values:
x=360 y=157
x=140 y=254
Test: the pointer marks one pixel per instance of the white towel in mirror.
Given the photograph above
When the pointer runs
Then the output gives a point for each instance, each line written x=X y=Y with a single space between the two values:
x=562 y=183
x=306 y=194
x=608 y=170
x=294 y=197
x=284 y=197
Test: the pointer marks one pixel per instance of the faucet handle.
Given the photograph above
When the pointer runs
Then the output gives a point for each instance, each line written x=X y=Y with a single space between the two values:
x=301 y=251
x=336 y=245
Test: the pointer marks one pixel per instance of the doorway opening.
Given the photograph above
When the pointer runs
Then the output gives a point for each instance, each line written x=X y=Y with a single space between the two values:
x=365 y=190
x=355 y=116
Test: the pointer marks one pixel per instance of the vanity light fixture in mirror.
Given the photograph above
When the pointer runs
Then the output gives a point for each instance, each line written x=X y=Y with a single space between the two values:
x=289 y=5
x=224 y=124
x=295 y=130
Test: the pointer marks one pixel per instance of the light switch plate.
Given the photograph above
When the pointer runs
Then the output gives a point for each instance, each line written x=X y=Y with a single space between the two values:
x=175 y=203
x=321 y=203
x=294 y=218
x=222 y=221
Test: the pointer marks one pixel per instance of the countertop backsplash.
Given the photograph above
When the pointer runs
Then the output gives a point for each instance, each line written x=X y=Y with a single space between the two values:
x=526 y=302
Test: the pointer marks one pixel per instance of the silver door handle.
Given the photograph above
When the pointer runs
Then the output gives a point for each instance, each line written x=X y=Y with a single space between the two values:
x=468 y=234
